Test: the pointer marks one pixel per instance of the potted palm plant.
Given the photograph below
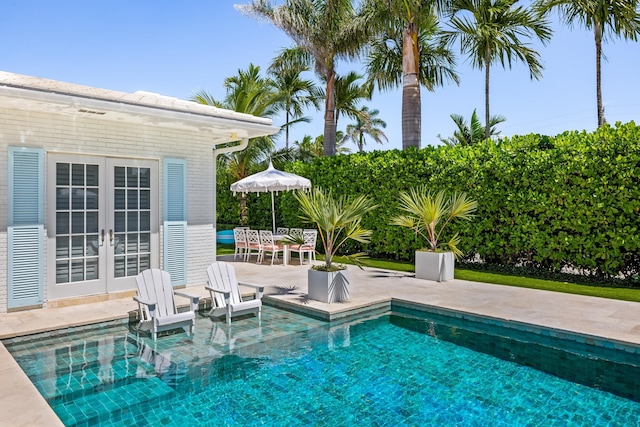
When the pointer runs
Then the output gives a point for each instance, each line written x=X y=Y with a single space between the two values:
x=428 y=216
x=338 y=220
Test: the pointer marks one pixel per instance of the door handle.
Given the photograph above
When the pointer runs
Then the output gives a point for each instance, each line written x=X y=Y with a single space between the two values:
x=102 y=237
x=111 y=237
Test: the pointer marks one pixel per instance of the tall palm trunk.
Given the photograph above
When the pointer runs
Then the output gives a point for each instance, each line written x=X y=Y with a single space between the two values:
x=411 y=106
x=487 y=129
x=597 y=29
x=330 y=114
x=286 y=130
x=243 y=209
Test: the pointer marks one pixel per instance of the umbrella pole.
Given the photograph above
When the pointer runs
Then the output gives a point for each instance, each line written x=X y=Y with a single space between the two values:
x=273 y=213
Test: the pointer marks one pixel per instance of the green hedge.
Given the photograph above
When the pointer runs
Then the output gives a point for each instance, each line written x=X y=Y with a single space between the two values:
x=570 y=201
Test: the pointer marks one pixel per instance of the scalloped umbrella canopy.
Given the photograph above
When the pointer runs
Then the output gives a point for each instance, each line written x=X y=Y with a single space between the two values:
x=271 y=180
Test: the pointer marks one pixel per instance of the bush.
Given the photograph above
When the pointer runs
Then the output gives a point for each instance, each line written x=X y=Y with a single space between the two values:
x=564 y=203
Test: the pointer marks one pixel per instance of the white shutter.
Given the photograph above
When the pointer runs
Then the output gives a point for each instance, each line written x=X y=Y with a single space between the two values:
x=175 y=220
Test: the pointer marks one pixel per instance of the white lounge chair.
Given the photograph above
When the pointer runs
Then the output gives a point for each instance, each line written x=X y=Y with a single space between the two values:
x=225 y=295
x=157 y=306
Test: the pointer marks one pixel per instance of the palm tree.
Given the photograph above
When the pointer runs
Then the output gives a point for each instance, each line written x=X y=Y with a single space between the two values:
x=619 y=18
x=472 y=132
x=250 y=93
x=428 y=215
x=327 y=30
x=367 y=123
x=490 y=31
x=294 y=94
x=338 y=219
x=349 y=95
x=309 y=148
x=407 y=53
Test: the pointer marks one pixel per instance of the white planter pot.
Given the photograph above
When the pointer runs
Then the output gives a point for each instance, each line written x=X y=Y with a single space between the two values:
x=328 y=286
x=436 y=266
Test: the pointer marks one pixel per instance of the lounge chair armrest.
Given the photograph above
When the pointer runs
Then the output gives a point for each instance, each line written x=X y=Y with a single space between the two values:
x=193 y=299
x=151 y=305
x=227 y=295
x=259 y=288
x=217 y=291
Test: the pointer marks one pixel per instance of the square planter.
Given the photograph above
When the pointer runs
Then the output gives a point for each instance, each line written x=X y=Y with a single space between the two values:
x=328 y=286
x=436 y=266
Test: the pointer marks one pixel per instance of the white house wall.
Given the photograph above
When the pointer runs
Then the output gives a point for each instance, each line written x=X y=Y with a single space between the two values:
x=92 y=135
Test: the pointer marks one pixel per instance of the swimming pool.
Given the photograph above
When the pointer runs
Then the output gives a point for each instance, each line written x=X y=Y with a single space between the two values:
x=394 y=369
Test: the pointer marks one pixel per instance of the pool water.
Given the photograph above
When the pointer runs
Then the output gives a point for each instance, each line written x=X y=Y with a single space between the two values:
x=289 y=370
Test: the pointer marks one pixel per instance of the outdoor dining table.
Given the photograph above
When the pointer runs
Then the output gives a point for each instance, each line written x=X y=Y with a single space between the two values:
x=286 y=253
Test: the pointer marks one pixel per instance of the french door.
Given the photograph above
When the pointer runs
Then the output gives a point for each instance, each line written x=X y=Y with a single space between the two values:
x=102 y=228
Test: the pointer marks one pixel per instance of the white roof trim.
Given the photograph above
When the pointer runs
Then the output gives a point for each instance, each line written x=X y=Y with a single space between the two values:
x=34 y=93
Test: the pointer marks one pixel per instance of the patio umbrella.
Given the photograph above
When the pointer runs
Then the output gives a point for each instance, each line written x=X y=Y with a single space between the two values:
x=271 y=180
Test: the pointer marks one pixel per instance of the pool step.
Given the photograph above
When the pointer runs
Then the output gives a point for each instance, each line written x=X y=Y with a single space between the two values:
x=80 y=357
x=84 y=381
x=110 y=404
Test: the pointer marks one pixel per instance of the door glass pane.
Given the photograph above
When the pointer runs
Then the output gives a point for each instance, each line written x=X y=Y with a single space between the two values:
x=62 y=271
x=118 y=243
x=62 y=247
x=145 y=177
x=132 y=221
x=132 y=265
x=119 y=266
x=145 y=262
x=62 y=223
x=119 y=199
x=92 y=222
x=92 y=198
x=145 y=221
x=120 y=222
x=77 y=246
x=62 y=198
x=119 y=180
x=92 y=269
x=77 y=271
x=77 y=198
x=92 y=245
x=77 y=222
x=145 y=199
x=132 y=243
x=132 y=199
x=133 y=190
x=62 y=173
x=145 y=242
x=77 y=175
x=132 y=177
x=92 y=175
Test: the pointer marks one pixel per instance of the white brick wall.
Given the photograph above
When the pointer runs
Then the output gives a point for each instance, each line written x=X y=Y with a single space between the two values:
x=96 y=136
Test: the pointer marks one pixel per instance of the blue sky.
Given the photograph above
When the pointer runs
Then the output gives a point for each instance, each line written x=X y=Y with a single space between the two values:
x=176 y=48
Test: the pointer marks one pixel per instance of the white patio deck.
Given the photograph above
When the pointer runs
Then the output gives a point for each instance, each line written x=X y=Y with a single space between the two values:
x=22 y=405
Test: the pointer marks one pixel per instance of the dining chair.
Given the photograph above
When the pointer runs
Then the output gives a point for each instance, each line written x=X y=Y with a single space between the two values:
x=268 y=245
x=309 y=238
x=240 y=240
x=282 y=231
x=296 y=233
x=253 y=243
